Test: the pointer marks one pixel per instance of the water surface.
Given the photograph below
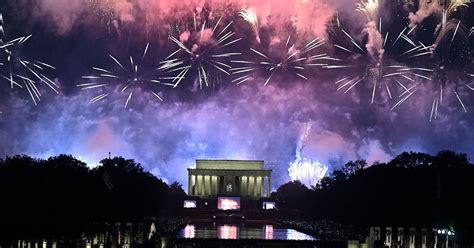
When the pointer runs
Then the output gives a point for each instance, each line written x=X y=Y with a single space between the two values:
x=243 y=231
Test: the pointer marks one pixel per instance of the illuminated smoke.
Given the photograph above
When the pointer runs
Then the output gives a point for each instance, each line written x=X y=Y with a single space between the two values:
x=308 y=16
x=425 y=9
x=429 y=7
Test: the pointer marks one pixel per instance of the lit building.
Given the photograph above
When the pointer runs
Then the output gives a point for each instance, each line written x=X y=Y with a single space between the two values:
x=243 y=178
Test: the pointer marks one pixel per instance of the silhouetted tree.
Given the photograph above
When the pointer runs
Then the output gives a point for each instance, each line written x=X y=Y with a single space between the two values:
x=290 y=195
x=63 y=189
x=352 y=167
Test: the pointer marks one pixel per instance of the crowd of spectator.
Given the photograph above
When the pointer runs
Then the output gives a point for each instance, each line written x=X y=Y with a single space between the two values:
x=169 y=225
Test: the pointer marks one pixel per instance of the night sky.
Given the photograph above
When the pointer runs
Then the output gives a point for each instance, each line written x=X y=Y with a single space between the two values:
x=318 y=118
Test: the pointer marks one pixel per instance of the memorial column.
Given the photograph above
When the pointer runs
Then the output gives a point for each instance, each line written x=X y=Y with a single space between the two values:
x=269 y=188
x=190 y=184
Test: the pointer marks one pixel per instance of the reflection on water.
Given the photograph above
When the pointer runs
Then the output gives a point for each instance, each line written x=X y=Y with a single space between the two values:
x=267 y=232
x=227 y=232
x=189 y=231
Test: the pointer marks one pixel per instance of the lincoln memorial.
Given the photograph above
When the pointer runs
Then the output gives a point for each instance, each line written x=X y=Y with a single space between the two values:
x=242 y=178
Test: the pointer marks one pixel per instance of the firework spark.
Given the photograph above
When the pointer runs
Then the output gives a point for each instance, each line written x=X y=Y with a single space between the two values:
x=20 y=71
x=294 y=61
x=454 y=5
x=105 y=10
x=251 y=18
x=305 y=170
x=448 y=23
x=127 y=76
x=368 y=8
x=374 y=68
x=206 y=50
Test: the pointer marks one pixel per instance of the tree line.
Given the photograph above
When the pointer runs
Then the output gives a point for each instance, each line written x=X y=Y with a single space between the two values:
x=63 y=189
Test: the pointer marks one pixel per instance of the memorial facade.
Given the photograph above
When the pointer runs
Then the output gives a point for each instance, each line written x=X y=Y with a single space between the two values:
x=243 y=178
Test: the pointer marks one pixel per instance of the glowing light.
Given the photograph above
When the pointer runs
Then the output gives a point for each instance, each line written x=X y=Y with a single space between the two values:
x=189 y=231
x=228 y=203
x=268 y=232
x=307 y=172
x=369 y=8
x=455 y=4
x=268 y=205
x=189 y=204
x=295 y=235
x=227 y=232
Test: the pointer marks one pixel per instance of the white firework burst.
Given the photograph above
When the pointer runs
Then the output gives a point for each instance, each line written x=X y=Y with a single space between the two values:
x=205 y=52
x=294 y=61
x=127 y=76
x=20 y=71
x=307 y=171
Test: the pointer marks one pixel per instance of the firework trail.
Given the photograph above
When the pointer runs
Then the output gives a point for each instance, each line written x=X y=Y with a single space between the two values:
x=453 y=5
x=369 y=8
x=293 y=61
x=448 y=26
x=305 y=170
x=375 y=66
x=447 y=16
x=205 y=50
x=251 y=18
x=22 y=72
x=127 y=76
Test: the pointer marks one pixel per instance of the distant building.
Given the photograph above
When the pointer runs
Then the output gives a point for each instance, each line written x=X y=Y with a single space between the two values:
x=243 y=178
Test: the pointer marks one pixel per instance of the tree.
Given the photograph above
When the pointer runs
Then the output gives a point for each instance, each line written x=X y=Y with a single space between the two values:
x=293 y=195
x=352 y=167
x=451 y=159
x=176 y=189
x=412 y=160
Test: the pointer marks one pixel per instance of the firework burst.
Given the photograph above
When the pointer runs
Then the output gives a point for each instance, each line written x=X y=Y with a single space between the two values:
x=447 y=32
x=369 y=8
x=375 y=65
x=127 y=76
x=20 y=71
x=448 y=12
x=306 y=171
x=294 y=61
x=205 y=51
